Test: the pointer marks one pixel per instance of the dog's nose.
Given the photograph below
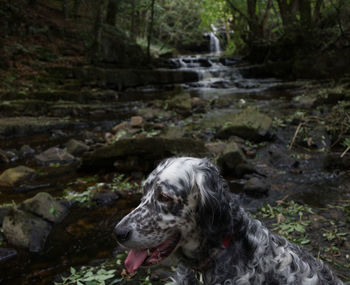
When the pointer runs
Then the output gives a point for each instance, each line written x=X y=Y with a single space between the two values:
x=122 y=234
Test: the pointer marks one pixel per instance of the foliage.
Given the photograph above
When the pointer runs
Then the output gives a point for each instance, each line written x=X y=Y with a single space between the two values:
x=290 y=220
x=87 y=275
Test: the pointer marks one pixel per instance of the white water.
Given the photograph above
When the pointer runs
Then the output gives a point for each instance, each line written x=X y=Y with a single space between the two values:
x=214 y=41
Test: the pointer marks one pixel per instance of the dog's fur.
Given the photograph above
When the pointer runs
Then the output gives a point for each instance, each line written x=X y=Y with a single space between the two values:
x=204 y=212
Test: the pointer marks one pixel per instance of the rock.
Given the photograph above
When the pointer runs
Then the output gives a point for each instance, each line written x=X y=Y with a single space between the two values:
x=121 y=126
x=26 y=150
x=136 y=121
x=198 y=104
x=104 y=197
x=23 y=126
x=216 y=147
x=173 y=132
x=8 y=155
x=248 y=124
x=141 y=154
x=3 y=156
x=315 y=136
x=46 y=207
x=26 y=230
x=232 y=160
x=180 y=103
x=6 y=254
x=256 y=187
x=3 y=213
x=154 y=113
x=333 y=161
x=54 y=155
x=76 y=148
x=17 y=176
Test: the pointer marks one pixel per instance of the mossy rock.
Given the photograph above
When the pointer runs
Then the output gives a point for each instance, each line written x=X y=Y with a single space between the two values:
x=180 y=104
x=46 y=207
x=17 y=176
x=248 y=124
x=26 y=230
x=141 y=153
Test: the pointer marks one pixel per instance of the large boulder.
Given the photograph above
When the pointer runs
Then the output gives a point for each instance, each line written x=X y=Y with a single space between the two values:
x=248 y=124
x=232 y=160
x=29 y=224
x=141 y=154
x=26 y=230
x=17 y=176
x=76 y=148
x=54 y=155
x=181 y=103
x=46 y=207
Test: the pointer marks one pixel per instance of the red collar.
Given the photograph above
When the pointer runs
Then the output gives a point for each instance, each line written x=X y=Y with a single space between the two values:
x=204 y=265
x=227 y=241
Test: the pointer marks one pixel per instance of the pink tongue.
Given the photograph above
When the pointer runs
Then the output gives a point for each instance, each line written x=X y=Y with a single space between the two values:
x=135 y=259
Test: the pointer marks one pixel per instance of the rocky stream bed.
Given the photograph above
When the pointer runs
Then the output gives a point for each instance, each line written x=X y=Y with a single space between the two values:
x=72 y=158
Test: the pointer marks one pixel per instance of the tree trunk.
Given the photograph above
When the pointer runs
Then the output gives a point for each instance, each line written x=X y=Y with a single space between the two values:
x=288 y=14
x=76 y=8
x=150 y=31
x=133 y=20
x=305 y=14
x=112 y=12
x=98 y=26
x=65 y=9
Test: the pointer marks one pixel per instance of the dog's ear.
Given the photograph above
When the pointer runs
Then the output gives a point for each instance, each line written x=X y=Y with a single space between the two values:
x=213 y=208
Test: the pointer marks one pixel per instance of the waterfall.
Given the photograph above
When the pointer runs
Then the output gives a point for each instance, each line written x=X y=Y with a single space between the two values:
x=214 y=41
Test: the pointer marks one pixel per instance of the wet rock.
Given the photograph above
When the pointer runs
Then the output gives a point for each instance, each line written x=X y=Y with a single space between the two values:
x=76 y=148
x=248 y=124
x=256 y=187
x=17 y=176
x=216 y=147
x=278 y=156
x=3 y=156
x=26 y=150
x=221 y=84
x=315 y=137
x=46 y=207
x=103 y=194
x=10 y=155
x=173 y=133
x=232 y=160
x=54 y=155
x=154 y=113
x=22 y=126
x=125 y=78
x=198 y=104
x=136 y=121
x=26 y=230
x=105 y=198
x=141 y=154
x=180 y=104
x=7 y=253
x=333 y=161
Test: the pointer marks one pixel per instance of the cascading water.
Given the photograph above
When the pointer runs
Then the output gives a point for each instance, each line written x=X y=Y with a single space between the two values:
x=214 y=41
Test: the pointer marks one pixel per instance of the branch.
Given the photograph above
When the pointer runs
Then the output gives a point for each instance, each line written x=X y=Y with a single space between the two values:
x=237 y=10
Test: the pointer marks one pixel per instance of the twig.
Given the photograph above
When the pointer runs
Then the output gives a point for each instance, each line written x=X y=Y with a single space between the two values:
x=345 y=151
x=295 y=136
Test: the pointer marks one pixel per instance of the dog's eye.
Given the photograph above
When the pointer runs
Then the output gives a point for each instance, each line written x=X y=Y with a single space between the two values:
x=162 y=197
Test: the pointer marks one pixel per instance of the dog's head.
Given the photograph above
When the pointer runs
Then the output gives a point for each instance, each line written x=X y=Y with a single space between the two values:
x=185 y=204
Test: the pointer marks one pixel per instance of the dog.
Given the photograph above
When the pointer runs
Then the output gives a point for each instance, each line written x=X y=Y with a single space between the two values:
x=187 y=212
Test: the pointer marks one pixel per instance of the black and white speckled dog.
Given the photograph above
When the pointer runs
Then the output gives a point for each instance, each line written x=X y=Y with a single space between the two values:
x=187 y=212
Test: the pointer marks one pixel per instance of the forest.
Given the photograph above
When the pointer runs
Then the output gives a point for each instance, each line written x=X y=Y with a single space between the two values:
x=94 y=94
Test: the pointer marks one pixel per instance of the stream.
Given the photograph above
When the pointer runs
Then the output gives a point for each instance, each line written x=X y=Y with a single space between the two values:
x=85 y=235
